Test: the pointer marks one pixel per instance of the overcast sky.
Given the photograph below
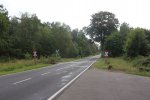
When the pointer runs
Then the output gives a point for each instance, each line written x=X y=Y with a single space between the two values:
x=77 y=13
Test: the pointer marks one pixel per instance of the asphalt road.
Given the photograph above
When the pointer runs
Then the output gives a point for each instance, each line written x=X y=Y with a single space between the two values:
x=108 y=85
x=40 y=84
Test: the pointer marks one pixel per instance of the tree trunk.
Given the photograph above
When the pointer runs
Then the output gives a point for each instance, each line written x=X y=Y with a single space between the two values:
x=102 y=48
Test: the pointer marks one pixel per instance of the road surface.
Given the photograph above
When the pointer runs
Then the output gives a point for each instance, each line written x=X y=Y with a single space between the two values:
x=41 y=84
x=108 y=85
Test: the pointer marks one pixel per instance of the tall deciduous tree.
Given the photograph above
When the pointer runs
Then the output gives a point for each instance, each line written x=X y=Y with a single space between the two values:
x=124 y=30
x=20 y=35
x=4 y=25
x=147 y=33
x=102 y=24
x=4 y=20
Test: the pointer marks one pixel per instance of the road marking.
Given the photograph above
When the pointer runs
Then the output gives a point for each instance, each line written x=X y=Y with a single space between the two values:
x=80 y=66
x=79 y=62
x=62 y=68
x=69 y=83
x=22 y=81
x=45 y=73
x=58 y=69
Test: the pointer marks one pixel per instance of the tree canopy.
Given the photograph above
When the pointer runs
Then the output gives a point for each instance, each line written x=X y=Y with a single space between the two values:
x=102 y=24
x=4 y=25
x=114 y=44
x=22 y=35
x=136 y=43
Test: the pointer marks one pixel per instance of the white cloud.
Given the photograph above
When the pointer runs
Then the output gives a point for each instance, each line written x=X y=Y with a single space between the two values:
x=77 y=13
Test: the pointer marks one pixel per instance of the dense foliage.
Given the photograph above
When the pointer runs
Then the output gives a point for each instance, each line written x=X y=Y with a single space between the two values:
x=102 y=24
x=114 y=43
x=128 y=41
x=136 y=43
x=19 y=37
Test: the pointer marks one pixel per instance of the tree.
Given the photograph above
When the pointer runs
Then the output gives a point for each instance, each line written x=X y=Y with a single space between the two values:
x=45 y=47
x=102 y=25
x=124 y=30
x=114 y=44
x=4 y=20
x=147 y=33
x=62 y=40
x=4 y=37
x=28 y=33
x=83 y=45
x=19 y=36
x=136 y=43
x=13 y=50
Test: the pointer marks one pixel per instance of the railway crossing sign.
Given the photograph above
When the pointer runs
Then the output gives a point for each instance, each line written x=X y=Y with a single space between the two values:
x=106 y=53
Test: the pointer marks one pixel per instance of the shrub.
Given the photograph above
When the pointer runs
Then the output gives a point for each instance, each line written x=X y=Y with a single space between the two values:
x=136 y=43
x=142 y=62
x=49 y=60
x=28 y=56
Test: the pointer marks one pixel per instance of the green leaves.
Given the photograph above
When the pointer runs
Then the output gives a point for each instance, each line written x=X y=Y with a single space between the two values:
x=102 y=24
x=4 y=25
x=4 y=20
x=136 y=43
x=114 y=44
x=20 y=36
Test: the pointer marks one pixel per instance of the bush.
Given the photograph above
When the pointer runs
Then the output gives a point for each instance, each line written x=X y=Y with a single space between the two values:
x=142 y=62
x=52 y=60
x=28 y=56
x=49 y=60
x=43 y=60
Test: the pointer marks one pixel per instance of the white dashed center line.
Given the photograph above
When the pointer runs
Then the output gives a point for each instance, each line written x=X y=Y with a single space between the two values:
x=22 y=81
x=45 y=73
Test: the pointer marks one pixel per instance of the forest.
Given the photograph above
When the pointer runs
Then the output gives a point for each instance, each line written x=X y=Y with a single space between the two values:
x=20 y=36
x=121 y=41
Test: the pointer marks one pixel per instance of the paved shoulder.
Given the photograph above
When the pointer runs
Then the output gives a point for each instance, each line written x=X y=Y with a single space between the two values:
x=104 y=85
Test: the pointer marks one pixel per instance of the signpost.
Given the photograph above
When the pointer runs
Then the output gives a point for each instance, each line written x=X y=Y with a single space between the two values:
x=35 y=55
x=106 y=54
x=57 y=53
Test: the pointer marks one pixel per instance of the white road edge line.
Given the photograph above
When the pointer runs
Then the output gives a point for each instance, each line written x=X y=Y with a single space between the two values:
x=22 y=81
x=59 y=91
x=45 y=73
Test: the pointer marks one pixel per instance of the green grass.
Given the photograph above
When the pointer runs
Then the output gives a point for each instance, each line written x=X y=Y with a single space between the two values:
x=24 y=68
x=119 y=64
x=15 y=66
x=20 y=65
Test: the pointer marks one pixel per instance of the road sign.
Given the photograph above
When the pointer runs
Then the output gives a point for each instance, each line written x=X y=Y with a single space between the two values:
x=106 y=53
x=34 y=54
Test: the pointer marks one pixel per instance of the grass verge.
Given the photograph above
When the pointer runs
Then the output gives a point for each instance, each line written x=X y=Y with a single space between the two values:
x=15 y=66
x=119 y=64
x=20 y=65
